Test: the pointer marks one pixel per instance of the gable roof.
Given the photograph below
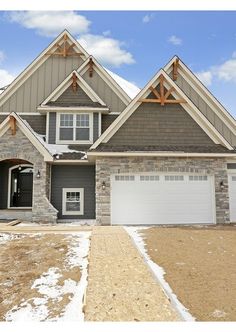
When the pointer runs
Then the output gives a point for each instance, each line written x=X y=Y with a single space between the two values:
x=43 y=56
x=189 y=107
x=53 y=97
x=28 y=132
x=204 y=93
x=113 y=83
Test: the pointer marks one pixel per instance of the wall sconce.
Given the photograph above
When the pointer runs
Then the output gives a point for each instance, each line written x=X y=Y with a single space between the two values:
x=103 y=185
x=38 y=175
x=222 y=185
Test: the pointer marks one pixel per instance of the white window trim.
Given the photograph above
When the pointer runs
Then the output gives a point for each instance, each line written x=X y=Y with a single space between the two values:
x=90 y=141
x=72 y=213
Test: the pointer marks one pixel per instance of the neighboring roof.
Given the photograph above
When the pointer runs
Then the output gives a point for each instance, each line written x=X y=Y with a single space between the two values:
x=131 y=89
x=217 y=148
x=189 y=107
x=54 y=98
x=200 y=88
x=38 y=62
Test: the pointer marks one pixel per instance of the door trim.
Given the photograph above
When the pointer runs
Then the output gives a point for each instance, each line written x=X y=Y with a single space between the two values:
x=9 y=188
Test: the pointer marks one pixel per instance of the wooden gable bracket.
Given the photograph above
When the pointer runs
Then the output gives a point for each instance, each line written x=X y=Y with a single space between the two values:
x=65 y=50
x=161 y=96
x=175 y=69
x=13 y=125
x=74 y=84
x=90 y=67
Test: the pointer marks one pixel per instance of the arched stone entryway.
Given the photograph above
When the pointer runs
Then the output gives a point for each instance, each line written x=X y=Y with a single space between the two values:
x=18 y=147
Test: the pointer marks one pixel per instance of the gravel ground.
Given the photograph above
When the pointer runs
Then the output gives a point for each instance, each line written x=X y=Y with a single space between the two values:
x=200 y=267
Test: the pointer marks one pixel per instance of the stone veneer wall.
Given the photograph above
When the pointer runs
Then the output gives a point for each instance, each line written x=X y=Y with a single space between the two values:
x=114 y=165
x=19 y=147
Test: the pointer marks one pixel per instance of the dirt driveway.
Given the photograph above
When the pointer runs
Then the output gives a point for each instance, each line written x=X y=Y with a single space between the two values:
x=200 y=266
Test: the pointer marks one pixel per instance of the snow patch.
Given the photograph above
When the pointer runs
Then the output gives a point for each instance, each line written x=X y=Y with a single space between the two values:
x=131 y=89
x=47 y=286
x=158 y=272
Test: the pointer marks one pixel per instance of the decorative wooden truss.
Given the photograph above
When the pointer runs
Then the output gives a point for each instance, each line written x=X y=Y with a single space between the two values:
x=175 y=69
x=90 y=67
x=161 y=95
x=13 y=125
x=74 y=84
x=65 y=49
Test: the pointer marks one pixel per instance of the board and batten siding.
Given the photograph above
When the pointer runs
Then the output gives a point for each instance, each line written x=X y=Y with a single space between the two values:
x=156 y=125
x=40 y=84
x=74 y=176
x=205 y=109
x=104 y=91
x=53 y=123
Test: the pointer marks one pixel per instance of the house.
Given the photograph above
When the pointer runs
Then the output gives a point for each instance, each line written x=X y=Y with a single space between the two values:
x=77 y=142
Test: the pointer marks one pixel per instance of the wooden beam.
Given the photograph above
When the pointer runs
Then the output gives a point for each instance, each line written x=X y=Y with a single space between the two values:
x=162 y=90
x=156 y=93
x=175 y=69
x=64 y=50
x=74 y=82
x=168 y=101
x=169 y=92
x=90 y=67
x=13 y=125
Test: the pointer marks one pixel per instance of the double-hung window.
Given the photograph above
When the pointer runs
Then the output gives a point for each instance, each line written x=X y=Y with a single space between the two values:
x=73 y=201
x=75 y=128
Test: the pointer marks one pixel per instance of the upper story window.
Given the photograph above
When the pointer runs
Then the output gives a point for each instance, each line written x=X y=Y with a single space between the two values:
x=75 y=128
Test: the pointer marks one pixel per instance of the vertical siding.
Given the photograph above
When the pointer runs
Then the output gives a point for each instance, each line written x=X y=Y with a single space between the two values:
x=41 y=83
x=52 y=128
x=205 y=109
x=68 y=176
x=104 y=91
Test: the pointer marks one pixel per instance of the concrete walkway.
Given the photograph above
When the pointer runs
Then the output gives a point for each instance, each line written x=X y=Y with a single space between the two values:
x=120 y=285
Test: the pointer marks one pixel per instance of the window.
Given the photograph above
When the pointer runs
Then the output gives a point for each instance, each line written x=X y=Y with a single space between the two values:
x=75 y=127
x=149 y=178
x=174 y=178
x=73 y=201
x=124 y=177
x=198 y=177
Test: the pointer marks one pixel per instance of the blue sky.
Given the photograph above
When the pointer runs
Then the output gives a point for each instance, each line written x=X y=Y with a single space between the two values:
x=133 y=44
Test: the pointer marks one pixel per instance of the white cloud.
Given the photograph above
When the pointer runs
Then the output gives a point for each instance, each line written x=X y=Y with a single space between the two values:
x=5 y=78
x=205 y=77
x=50 y=24
x=225 y=72
x=106 y=33
x=147 y=18
x=2 y=56
x=175 y=40
x=108 y=51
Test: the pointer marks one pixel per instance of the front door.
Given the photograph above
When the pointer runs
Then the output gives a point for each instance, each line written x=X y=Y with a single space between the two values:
x=21 y=187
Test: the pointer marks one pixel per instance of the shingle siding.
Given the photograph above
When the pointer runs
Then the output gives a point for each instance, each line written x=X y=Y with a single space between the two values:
x=37 y=122
x=107 y=120
x=74 y=176
x=153 y=124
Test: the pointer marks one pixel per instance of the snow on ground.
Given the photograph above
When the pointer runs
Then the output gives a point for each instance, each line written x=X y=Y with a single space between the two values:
x=47 y=286
x=157 y=271
x=5 y=237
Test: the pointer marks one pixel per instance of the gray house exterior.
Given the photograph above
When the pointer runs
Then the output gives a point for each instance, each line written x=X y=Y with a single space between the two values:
x=79 y=144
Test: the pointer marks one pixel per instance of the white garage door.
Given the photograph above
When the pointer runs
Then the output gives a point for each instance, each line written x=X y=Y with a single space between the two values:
x=162 y=199
x=232 y=197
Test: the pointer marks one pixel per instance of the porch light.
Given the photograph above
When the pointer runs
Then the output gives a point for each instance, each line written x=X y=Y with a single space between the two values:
x=103 y=185
x=38 y=175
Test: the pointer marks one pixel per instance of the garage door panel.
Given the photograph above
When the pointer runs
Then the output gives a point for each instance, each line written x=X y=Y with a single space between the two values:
x=169 y=200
